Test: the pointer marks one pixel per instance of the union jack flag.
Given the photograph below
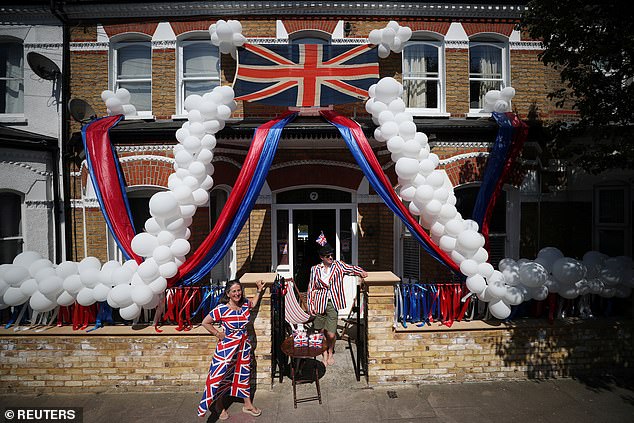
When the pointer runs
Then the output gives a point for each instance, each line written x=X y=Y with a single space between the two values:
x=305 y=75
x=321 y=239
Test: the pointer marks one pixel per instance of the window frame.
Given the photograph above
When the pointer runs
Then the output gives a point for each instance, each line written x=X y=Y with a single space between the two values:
x=181 y=79
x=624 y=226
x=441 y=110
x=298 y=36
x=21 y=205
x=503 y=46
x=18 y=116
x=115 y=46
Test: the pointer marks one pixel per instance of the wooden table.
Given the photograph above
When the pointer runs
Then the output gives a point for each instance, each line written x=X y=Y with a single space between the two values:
x=298 y=355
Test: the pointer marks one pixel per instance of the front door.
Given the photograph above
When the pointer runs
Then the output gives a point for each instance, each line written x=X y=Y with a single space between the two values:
x=299 y=216
x=307 y=226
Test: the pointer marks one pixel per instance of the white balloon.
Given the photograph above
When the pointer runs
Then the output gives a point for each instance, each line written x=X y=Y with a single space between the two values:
x=485 y=269
x=130 y=312
x=447 y=243
x=14 y=296
x=51 y=286
x=476 y=284
x=101 y=292
x=121 y=295
x=469 y=240
x=469 y=267
x=180 y=247
x=395 y=144
x=383 y=50
x=144 y=244
x=163 y=205
x=39 y=302
x=158 y=285
x=142 y=294
x=407 y=130
x=152 y=226
x=86 y=297
x=532 y=274
x=513 y=295
x=168 y=270
x=568 y=270
x=375 y=36
x=406 y=168
x=72 y=284
x=499 y=309
x=148 y=270
x=28 y=287
x=407 y=192
x=10 y=272
x=65 y=299
x=26 y=258
x=89 y=277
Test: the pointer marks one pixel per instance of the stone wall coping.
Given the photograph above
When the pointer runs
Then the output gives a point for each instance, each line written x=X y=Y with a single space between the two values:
x=115 y=330
x=249 y=279
x=381 y=278
x=479 y=325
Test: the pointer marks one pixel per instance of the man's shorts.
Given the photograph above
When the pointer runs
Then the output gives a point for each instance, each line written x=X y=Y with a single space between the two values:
x=328 y=320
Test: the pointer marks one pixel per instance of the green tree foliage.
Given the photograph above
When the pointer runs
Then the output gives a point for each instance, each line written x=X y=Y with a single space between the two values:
x=592 y=47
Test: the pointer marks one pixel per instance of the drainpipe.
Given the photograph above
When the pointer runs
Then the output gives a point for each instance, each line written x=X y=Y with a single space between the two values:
x=61 y=215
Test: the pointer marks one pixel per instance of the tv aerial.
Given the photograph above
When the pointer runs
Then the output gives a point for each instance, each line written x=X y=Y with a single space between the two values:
x=42 y=66
x=81 y=111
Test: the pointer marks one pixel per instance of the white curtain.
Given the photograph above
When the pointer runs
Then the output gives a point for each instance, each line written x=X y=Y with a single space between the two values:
x=416 y=69
x=490 y=70
x=12 y=74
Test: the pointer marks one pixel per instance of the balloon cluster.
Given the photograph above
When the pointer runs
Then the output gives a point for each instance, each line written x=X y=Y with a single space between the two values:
x=499 y=101
x=132 y=287
x=595 y=274
x=391 y=38
x=227 y=36
x=118 y=103
x=429 y=194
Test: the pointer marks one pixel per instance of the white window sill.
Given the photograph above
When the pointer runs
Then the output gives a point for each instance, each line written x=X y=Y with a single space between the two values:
x=141 y=117
x=418 y=113
x=477 y=114
x=179 y=117
x=13 y=118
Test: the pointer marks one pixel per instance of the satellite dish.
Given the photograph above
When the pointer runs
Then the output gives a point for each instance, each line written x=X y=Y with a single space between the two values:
x=81 y=111
x=43 y=67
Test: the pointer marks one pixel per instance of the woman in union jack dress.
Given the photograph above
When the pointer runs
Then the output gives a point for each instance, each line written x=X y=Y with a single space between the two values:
x=230 y=370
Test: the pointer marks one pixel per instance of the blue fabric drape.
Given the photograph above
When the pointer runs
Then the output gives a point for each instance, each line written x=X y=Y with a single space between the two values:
x=495 y=165
x=218 y=251
x=380 y=189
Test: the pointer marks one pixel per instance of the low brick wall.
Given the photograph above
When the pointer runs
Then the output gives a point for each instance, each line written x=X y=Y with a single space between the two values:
x=481 y=351
x=120 y=359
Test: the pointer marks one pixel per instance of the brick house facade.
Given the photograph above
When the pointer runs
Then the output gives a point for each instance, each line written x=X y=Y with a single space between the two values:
x=303 y=161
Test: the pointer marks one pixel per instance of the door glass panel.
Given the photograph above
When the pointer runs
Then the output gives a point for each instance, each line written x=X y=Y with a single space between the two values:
x=282 y=237
x=345 y=236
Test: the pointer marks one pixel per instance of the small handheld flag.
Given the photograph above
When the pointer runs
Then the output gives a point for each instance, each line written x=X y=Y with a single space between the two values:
x=321 y=239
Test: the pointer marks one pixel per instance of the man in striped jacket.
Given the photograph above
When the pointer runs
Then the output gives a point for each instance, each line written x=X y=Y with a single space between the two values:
x=326 y=295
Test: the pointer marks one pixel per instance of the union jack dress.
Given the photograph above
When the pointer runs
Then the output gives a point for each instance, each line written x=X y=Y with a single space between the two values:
x=230 y=367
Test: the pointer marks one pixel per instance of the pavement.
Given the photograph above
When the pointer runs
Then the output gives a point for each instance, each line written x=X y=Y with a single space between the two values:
x=348 y=401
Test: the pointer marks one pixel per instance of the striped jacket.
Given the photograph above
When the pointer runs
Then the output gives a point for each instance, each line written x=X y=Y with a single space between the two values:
x=318 y=290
